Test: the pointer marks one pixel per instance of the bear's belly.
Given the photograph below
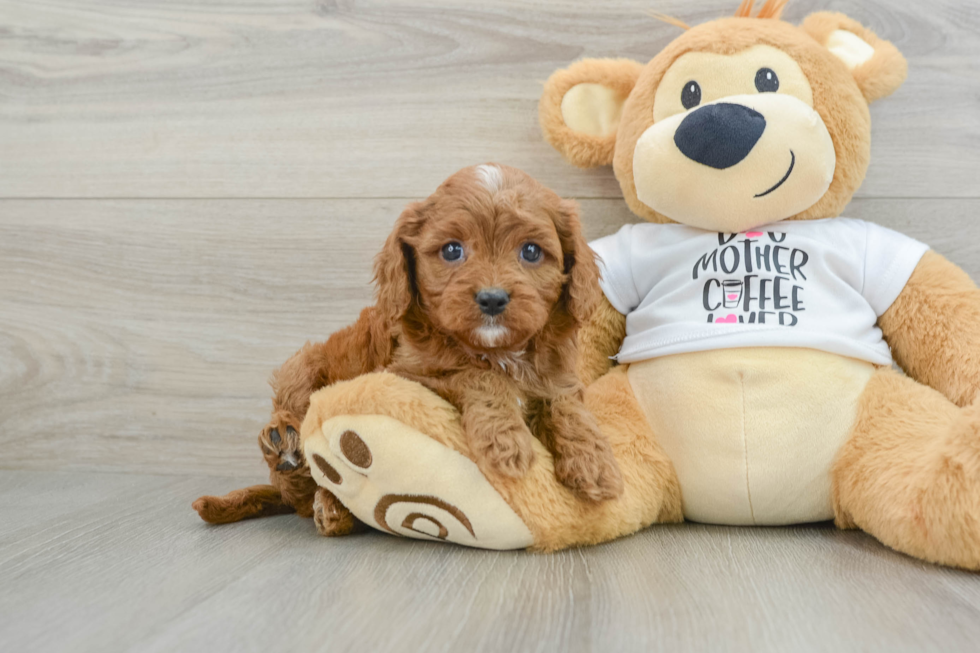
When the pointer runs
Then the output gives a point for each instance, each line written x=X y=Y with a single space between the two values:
x=752 y=432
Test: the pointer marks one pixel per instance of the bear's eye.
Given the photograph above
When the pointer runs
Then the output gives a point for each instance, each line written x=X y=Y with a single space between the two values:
x=691 y=95
x=452 y=251
x=766 y=81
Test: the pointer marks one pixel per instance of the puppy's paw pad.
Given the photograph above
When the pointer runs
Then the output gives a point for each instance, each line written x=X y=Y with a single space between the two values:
x=280 y=445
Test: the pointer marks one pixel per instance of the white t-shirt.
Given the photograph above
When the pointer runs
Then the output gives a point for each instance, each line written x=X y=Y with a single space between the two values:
x=820 y=284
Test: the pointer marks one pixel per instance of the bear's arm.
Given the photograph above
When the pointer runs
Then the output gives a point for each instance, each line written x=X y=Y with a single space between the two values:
x=933 y=329
x=598 y=339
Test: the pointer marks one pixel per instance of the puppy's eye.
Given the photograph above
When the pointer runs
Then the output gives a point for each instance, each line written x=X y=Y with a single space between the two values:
x=531 y=252
x=452 y=252
x=766 y=81
x=691 y=95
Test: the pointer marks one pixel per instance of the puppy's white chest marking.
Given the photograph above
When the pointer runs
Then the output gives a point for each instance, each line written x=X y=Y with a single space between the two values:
x=491 y=334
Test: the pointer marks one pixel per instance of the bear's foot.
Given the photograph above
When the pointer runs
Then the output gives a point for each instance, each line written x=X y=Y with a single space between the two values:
x=400 y=481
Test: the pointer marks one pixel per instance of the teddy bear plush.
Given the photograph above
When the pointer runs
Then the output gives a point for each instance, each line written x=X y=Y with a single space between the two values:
x=740 y=364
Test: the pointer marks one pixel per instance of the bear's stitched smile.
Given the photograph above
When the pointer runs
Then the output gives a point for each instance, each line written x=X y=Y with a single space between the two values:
x=779 y=183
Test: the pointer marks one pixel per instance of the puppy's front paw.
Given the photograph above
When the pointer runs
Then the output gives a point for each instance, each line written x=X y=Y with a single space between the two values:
x=509 y=451
x=280 y=446
x=588 y=468
x=331 y=517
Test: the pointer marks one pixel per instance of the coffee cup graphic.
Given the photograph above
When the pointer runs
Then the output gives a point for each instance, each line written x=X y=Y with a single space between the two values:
x=731 y=293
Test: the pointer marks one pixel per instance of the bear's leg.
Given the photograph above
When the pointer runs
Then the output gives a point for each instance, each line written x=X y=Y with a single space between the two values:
x=394 y=454
x=910 y=472
x=651 y=492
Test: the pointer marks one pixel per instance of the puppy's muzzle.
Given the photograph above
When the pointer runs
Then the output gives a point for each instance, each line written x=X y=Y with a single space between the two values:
x=492 y=301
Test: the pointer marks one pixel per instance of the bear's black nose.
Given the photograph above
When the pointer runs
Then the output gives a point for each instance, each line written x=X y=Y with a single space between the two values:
x=492 y=301
x=719 y=135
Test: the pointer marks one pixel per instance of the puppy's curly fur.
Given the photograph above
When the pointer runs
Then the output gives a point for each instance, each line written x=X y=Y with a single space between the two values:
x=510 y=374
x=510 y=370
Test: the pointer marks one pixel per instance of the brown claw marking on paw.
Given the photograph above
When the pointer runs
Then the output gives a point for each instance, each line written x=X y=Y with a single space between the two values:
x=355 y=450
x=328 y=470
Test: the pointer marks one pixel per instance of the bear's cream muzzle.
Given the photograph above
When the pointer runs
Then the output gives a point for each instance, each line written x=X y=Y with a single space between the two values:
x=736 y=163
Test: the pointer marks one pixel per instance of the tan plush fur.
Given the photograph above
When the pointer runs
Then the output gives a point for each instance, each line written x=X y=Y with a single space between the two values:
x=599 y=339
x=910 y=473
x=933 y=329
x=551 y=511
x=836 y=96
x=521 y=381
x=582 y=150
x=878 y=77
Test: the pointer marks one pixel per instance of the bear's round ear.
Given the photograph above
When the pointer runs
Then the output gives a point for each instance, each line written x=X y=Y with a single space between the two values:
x=877 y=65
x=581 y=106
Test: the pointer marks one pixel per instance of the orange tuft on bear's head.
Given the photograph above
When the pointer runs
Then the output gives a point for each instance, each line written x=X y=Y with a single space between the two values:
x=738 y=122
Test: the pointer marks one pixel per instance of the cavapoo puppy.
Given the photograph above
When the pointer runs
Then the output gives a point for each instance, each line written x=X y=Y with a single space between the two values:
x=485 y=284
x=480 y=291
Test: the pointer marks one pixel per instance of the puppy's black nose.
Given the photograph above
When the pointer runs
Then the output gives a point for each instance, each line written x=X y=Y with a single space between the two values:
x=719 y=135
x=492 y=301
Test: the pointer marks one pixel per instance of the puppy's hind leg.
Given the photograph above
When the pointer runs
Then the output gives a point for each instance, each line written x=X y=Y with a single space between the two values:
x=288 y=471
x=246 y=503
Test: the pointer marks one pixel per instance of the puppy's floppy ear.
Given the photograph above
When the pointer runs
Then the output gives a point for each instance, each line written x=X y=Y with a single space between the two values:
x=394 y=267
x=581 y=106
x=877 y=65
x=581 y=293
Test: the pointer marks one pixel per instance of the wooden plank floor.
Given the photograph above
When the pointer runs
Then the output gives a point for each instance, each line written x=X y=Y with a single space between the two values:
x=109 y=563
x=190 y=190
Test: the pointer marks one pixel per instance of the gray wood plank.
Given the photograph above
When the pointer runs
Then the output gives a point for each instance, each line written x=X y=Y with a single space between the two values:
x=106 y=574
x=274 y=98
x=139 y=335
x=136 y=571
x=21 y=513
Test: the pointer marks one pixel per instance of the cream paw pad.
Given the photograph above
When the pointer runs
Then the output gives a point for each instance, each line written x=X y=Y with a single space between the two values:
x=400 y=481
